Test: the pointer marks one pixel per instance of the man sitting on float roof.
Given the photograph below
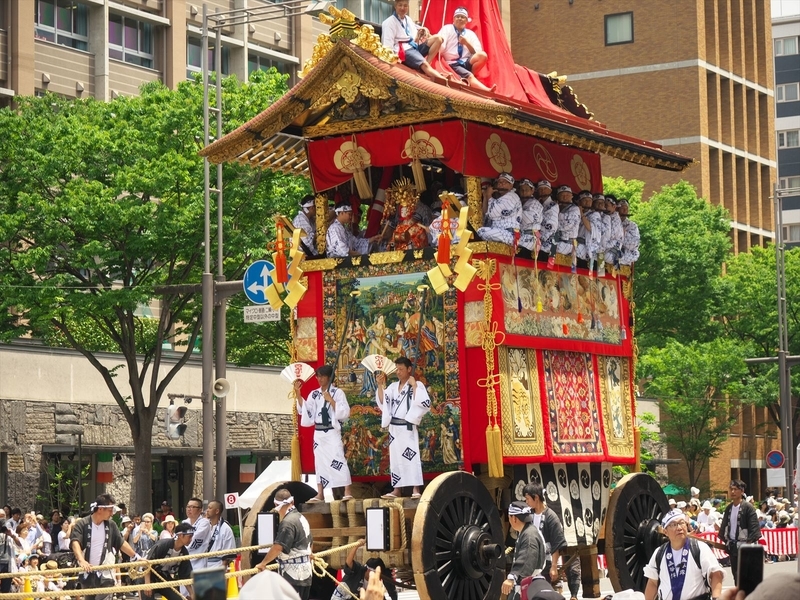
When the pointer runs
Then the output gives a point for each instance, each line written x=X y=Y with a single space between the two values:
x=401 y=34
x=462 y=50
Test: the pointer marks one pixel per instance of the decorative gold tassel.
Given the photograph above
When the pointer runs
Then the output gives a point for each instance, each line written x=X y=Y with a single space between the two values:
x=362 y=185
x=419 y=175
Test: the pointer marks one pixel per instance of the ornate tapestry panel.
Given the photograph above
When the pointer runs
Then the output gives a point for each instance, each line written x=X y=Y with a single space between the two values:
x=615 y=394
x=523 y=433
x=379 y=309
x=572 y=406
x=306 y=339
x=574 y=307
x=577 y=492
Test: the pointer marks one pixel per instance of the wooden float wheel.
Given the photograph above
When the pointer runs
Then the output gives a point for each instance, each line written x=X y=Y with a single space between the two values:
x=635 y=510
x=457 y=541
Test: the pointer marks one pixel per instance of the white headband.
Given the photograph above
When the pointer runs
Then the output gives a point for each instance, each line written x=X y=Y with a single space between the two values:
x=513 y=509
x=279 y=503
x=344 y=208
x=671 y=516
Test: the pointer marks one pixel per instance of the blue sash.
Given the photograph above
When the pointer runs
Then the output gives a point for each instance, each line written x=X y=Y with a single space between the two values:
x=677 y=574
x=403 y=22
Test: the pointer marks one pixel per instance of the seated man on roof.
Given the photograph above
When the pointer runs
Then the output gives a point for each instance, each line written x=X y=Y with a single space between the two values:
x=340 y=241
x=401 y=34
x=462 y=50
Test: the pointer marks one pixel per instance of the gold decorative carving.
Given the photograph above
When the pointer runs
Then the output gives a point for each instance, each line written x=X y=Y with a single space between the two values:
x=356 y=260
x=321 y=264
x=482 y=247
x=321 y=204
x=475 y=203
x=343 y=26
x=348 y=86
x=385 y=258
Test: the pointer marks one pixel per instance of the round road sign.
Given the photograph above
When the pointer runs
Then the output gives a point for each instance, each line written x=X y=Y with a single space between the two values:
x=775 y=459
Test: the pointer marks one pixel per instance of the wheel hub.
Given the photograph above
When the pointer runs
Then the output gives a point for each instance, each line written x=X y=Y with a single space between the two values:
x=474 y=552
x=648 y=538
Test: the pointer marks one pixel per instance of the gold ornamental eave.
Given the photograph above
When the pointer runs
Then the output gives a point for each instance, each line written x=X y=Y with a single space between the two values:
x=259 y=144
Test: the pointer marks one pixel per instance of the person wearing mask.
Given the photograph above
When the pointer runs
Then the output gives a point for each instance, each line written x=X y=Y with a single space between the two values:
x=292 y=545
x=95 y=540
x=739 y=524
x=529 y=551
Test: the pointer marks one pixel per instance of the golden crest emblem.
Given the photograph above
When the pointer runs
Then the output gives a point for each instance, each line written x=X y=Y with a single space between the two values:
x=545 y=163
x=498 y=153
x=350 y=158
x=580 y=170
x=421 y=145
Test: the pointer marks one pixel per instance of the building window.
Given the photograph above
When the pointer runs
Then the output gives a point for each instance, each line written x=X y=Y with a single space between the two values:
x=791 y=233
x=788 y=92
x=374 y=11
x=785 y=46
x=63 y=22
x=789 y=183
x=130 y=40
x=619 y=28
x=194 y=57
x=789 y=139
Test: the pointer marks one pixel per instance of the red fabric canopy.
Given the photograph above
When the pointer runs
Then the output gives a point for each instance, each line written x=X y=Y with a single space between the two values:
x=513 y=81
x=332 y=161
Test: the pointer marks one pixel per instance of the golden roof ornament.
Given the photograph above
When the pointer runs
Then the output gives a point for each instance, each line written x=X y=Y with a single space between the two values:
x=343 y=26
x=403 y=192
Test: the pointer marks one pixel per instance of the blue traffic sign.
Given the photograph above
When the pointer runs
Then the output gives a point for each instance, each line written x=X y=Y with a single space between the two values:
x=257 y=278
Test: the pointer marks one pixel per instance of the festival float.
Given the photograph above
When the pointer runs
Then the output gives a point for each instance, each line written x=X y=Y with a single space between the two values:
x=529 y=364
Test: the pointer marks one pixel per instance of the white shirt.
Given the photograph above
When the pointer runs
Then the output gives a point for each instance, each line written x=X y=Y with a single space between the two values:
x=694 y=584
x=450 y=39
x=98 y=541
x=394 y=31
x=202 y=533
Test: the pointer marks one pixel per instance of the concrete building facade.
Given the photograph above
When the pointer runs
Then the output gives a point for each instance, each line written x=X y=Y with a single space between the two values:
x=786 y=36
x=695 y=76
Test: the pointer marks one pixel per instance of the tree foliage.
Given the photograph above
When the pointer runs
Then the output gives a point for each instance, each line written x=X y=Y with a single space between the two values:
x=696 y=383
x=103 y=203
x=684 y=241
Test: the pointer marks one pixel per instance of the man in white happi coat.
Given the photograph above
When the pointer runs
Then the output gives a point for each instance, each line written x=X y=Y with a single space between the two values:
x=340 y=241
x=435 y=228
x=411 y=43
x=590 y=229
x=569 y=220
x=549 y=217
x=531 y=217
x=306 y=220
x=629 y=253
x=403 y=404
x=221 y=538
x=502 y=211
x=326 y=409
x=202 y=530
x=614 y=233
x=462 y=50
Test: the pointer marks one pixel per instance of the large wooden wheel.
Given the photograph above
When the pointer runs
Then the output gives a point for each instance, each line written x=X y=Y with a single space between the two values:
x=631 y=530
x=457 y=541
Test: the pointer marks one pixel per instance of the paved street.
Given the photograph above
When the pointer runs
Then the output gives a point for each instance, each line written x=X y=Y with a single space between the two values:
x=605 y=583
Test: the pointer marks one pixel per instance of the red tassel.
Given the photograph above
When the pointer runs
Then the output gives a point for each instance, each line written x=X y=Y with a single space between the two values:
x=443 y=255
x=565 y=329
x=281 y=273
x=580 y=317
x=401 y=52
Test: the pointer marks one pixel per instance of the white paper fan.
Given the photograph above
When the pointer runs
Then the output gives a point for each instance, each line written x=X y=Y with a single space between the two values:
x=378 y=362
x=298 y=370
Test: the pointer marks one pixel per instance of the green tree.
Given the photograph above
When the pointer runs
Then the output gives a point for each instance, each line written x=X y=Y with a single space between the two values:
x=684 y=241
x=103 y=203
x=697 y=384
x=749 y=313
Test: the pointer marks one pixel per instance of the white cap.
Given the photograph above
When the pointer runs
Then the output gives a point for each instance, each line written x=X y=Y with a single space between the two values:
x=671 y=516
x=672 y=502
x=681 y=504
x=707 y=505
x=695 y=491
